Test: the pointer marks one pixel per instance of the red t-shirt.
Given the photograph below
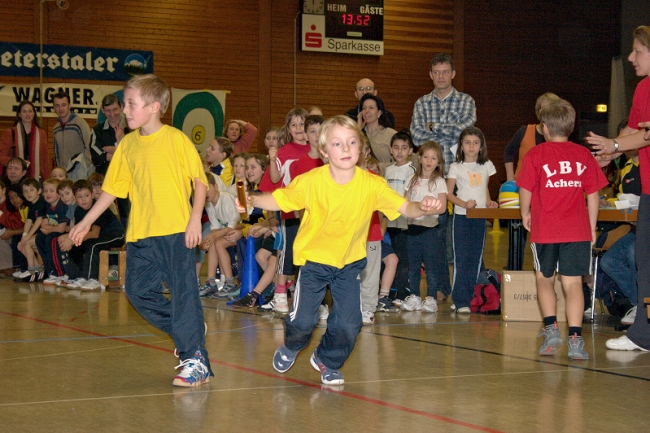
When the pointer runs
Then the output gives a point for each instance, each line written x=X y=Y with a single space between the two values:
x=374 y=233
x=303 y=165
x=640 y=112
x=559 y=175
x=287 y=155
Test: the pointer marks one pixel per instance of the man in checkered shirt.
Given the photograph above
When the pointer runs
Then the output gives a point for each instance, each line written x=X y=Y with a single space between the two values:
x=442 y=114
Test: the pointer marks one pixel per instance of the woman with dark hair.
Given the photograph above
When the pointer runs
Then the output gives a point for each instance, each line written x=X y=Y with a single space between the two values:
x=26 y=140
x=374 y=123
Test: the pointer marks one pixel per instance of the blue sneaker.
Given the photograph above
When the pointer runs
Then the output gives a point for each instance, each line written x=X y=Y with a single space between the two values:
x=209 y=290
x=328 y=375
x=194 y=372
x=283 y=359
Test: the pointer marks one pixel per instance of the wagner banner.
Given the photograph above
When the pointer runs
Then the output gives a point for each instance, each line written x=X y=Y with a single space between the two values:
x=199 y=114
x=85 y=99
x=77 y=63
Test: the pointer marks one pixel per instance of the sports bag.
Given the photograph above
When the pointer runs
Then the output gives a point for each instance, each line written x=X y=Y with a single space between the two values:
x=487 y=293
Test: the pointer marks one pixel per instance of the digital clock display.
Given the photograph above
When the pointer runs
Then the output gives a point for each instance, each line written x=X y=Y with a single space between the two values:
x=343 y=26
x=355 y=20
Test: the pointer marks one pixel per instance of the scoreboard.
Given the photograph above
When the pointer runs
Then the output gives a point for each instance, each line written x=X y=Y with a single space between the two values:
x=345 y=26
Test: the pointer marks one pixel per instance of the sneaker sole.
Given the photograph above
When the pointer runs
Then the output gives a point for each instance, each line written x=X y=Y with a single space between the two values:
x=180 y=382
x=579 y=357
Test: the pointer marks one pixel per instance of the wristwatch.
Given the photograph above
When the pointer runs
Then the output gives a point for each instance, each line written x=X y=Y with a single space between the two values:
x=615 y=146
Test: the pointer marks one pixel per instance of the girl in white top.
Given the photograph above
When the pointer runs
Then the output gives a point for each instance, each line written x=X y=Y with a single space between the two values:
x=470 y=174
x=423 y=242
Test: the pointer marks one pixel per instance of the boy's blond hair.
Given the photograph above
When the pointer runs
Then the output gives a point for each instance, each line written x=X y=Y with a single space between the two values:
x=52 y=181
x=338 y=120
x=559 y=117
x=152 y=89
x=543 y=101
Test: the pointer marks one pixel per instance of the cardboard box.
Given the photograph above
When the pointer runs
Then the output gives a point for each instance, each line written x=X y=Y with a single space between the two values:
x=519 y=297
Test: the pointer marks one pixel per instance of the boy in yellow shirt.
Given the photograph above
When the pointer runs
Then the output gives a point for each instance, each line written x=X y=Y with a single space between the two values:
x=157 y=166
x=339 y=199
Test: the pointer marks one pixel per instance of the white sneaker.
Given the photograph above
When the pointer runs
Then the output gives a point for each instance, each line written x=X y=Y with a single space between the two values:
x=53 y=279
x=412 y=303
x=16 y=274
x=323 y=312
x=430 y=305
x=367 y=317
x=24 y=274
x=452 y=307
x=280 y=304
x=75 y=284
x=92 y=284
x=623 y=343
x=463 y=310
x=398 y=302
x=628 y=319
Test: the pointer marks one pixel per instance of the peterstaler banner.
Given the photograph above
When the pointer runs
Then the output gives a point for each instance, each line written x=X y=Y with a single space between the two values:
x=85 y=99
x=77 y=63
x=199 y=114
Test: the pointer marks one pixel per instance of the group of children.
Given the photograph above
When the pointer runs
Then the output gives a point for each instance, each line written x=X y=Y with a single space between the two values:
x=37 y=218
x=418 y=239
x=417 y=242
x=328 y=234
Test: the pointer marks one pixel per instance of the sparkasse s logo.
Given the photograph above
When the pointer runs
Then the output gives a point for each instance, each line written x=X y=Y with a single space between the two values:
x=313 y=39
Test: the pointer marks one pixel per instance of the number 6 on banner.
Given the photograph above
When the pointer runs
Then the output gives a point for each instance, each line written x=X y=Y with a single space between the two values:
x=200 y=116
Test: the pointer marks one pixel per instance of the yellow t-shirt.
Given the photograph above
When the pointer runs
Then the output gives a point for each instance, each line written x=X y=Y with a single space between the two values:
x=227 y=174
x=156 y=172
x=334 y=228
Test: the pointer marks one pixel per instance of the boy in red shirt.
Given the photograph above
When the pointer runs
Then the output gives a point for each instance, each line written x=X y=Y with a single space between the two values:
x=553 y=181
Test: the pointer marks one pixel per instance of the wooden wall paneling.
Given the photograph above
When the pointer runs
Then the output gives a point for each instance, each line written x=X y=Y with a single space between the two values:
x=515 y=51
x=247 y=48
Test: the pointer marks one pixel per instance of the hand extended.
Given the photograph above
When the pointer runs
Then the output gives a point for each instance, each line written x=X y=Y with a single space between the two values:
x=241 y=209
x=430 y=204
x=601 y=145
x=78 y=232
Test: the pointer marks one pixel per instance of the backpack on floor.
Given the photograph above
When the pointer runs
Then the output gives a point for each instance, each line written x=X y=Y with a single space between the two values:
x=487 y=293
x=606 y=289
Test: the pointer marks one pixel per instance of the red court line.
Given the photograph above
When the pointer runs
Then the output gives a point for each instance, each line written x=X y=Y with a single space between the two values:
x=271 y=375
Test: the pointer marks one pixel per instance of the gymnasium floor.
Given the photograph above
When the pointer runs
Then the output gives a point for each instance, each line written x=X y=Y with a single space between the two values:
x=86 y=362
